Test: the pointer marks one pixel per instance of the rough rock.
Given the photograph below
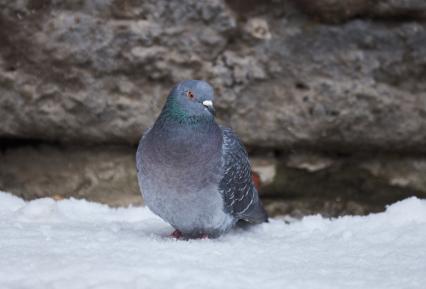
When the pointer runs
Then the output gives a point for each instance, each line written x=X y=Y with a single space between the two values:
x=98 y=71
x=105 y=174
x=296 y=184
x=298 y=208
x=320 y=86
x=364 y=178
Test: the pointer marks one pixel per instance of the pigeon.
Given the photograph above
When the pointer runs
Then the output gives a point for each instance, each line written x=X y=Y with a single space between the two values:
x=194 y=173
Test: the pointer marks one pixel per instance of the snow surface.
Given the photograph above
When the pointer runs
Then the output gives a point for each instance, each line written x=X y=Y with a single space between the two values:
x=78 y=244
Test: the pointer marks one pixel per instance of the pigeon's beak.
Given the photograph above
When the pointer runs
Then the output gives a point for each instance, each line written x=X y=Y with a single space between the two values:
x=209 y=105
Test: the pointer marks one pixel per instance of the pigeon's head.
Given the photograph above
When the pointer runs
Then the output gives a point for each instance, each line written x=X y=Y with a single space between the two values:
x=192 y=99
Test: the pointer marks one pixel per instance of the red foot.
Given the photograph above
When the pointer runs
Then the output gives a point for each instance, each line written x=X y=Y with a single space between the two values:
x=176 y=234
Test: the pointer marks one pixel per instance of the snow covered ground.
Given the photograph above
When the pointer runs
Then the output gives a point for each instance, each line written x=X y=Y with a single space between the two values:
x=78 y=244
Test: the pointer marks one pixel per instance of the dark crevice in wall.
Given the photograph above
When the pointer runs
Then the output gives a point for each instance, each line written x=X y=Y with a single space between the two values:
x=7 y=143
x=331 y=11
x=332 y=150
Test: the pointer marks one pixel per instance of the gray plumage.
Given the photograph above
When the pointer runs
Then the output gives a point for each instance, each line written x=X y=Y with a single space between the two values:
x=193 y=173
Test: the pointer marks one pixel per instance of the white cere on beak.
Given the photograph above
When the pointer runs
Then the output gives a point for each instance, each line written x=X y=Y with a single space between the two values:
x=208 y=103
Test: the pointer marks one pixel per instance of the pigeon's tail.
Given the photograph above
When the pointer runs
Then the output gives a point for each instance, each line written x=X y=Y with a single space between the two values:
x=260 y=212
x=255 y=214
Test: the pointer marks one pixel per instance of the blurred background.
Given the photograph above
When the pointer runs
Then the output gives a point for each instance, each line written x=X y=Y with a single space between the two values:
x=329 y=96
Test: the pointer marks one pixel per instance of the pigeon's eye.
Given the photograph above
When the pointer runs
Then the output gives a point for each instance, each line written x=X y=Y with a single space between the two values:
x=190 y=95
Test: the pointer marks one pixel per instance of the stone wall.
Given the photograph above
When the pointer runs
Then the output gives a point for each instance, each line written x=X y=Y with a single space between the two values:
x=337 y=80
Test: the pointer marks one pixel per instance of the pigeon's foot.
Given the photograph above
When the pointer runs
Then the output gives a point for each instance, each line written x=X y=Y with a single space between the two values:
x=176 y=234
x=201 y=237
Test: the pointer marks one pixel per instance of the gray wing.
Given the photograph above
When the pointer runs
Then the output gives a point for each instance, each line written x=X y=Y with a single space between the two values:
x=239 y=194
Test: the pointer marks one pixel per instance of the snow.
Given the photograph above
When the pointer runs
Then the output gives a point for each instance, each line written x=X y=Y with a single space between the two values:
x=78 y=244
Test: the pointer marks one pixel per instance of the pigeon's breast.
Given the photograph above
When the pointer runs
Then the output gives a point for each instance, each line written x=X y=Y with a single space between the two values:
x=180 y=183
x=180 y=166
